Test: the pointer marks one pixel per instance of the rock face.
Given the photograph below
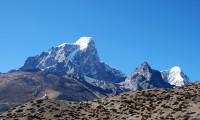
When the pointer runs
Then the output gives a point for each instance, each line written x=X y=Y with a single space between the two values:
x=80 y=57
x=20 y=87
x=145 y=78
x=181 y=103
x=109 y=88
x=175 y=76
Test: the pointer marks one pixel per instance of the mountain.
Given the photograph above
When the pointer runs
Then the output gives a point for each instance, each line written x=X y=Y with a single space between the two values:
x=20 y=87
x=175 y=76
x=61 y=73
x=144 y=78
x=79 y=57
x=109 y=88
x=181 y=103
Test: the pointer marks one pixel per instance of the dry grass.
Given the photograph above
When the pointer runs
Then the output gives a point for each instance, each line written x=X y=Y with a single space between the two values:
x=180 y=103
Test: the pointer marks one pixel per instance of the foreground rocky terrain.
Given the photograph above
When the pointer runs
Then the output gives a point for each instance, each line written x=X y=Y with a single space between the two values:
x=181 y=103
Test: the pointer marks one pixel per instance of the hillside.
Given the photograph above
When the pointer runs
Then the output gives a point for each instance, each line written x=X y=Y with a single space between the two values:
x=178 y=103
x=24 y=86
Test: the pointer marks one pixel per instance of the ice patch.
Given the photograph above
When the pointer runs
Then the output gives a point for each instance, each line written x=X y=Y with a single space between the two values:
x=83 y=42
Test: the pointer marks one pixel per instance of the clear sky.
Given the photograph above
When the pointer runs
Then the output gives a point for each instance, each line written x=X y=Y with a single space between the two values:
x=165 y=33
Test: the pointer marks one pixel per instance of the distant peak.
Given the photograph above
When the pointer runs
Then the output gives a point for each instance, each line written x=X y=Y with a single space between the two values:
x=83 y=42
x=144 y=66
x=145 y=63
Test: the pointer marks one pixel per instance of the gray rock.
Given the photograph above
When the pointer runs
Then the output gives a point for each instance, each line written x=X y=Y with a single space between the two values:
x=145 y=78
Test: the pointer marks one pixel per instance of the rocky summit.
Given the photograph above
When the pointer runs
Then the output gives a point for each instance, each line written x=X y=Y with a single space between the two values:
x=144 y=78
x=181 y=103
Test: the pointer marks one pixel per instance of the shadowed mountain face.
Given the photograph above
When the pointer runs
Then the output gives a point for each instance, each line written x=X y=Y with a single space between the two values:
x=145 y=78
x=181 y=103
x=19 y=87
x=80 y=57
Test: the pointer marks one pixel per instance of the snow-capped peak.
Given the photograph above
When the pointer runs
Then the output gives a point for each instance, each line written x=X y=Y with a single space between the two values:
x=175 y=76
x=83 y=42
x=81 y=57
x=175 y=69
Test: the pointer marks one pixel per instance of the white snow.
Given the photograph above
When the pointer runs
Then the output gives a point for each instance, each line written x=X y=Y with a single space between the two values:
x=83 y=42
x=175 y=69
x=175 y=76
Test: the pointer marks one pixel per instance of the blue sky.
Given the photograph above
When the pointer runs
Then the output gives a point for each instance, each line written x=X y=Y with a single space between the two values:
x=126 y=32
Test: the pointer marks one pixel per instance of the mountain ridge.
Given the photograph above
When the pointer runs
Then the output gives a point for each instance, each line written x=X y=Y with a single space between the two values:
x=144 y=77
x=81 y=57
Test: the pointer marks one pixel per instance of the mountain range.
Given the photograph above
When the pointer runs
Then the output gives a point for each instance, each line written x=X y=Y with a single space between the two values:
x=74 y=72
